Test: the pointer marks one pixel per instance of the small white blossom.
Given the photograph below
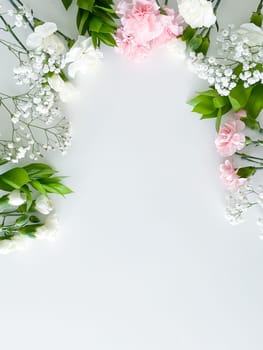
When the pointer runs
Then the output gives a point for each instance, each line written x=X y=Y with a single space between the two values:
x=82 y=57
x=65 y=90
x=16 y=198
x=44 y=205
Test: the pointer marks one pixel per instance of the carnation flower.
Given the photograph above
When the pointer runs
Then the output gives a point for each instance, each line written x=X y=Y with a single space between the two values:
x=142 y=20
x=49 y=230
x=82 y=57
x=16 y=198
x=230 y=137
x=128 y=46
x=44 y=205
x=16 y=243
x=229 y=176
x=145 y=27
x=65 y=89
x=44 y=38
x=197 y=13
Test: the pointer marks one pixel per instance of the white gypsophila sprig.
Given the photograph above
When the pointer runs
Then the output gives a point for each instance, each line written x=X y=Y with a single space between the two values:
x=22 y=15
x=37 y=122
x=238 y=203
x=241 y=48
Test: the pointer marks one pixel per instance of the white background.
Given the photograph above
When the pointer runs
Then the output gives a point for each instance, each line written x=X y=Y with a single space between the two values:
x=145 y=259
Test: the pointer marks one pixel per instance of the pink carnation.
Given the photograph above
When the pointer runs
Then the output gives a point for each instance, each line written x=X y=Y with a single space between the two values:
x=144 y=27
x=129 y=47
x=230 y=138
x=172 y=27
x=229 y=176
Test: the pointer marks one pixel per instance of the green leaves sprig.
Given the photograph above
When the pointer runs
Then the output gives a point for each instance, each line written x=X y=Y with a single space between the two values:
x=97 y=18
x=212 y=105
x=29 y=181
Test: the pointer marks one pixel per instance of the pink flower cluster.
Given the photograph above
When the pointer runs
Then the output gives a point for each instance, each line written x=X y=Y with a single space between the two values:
x=230 y=177
x=229 y=140
x=230 y=137
x=144 y=27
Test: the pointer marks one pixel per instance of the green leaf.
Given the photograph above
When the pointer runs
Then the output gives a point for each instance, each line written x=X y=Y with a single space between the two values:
x=67 y=3
x=188 y=33
x=195 y=42
x=15 y=178
x=37 y=185
x=106 y=9
x=30 y=230
x=57 y=188
x=251 y=123
x=34 y=219
x=220 y=101
x=95 y=24
x=246 y=171
x=256 y=18
x=38 y=171
x=83 y=22
x=205 y=107
x=209 y=116
x=239 y=96
x=204 y=46
x=22 y=220
x=29 y=200
x=255 y=102
x=218 y=119
x=107 y=39
x=86 y=4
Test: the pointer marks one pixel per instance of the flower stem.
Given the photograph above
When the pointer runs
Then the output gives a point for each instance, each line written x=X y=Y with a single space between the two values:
x=249 y=158
x=216 y=5
x=17 y=8
x=260 y=5
x=10 y=30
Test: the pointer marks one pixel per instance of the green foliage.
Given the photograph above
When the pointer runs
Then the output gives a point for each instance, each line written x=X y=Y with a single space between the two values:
x=31 y=180
x=97 y=18
x=211 y=105
x=256 y=18
x=246 y=172
x=67 y=3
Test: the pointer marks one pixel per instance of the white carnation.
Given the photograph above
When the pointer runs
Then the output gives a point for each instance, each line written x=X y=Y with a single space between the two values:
x=251 y=33
x=197 y=13
x=16 y=198
x=82 y=57
x=49 y=230
x=44 y=205
x=65 y=89
x=43 y=38
x=17 y=243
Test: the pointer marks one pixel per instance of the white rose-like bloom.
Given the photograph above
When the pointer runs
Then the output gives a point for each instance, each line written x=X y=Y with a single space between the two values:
x=16 y=198
x=82 y=57
x=177 y=48
x=44 y=205
x=17 y=243
x=197 y=13
x=44 y=38
x=49 y=230
x=252 y=33
x=65 y=89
